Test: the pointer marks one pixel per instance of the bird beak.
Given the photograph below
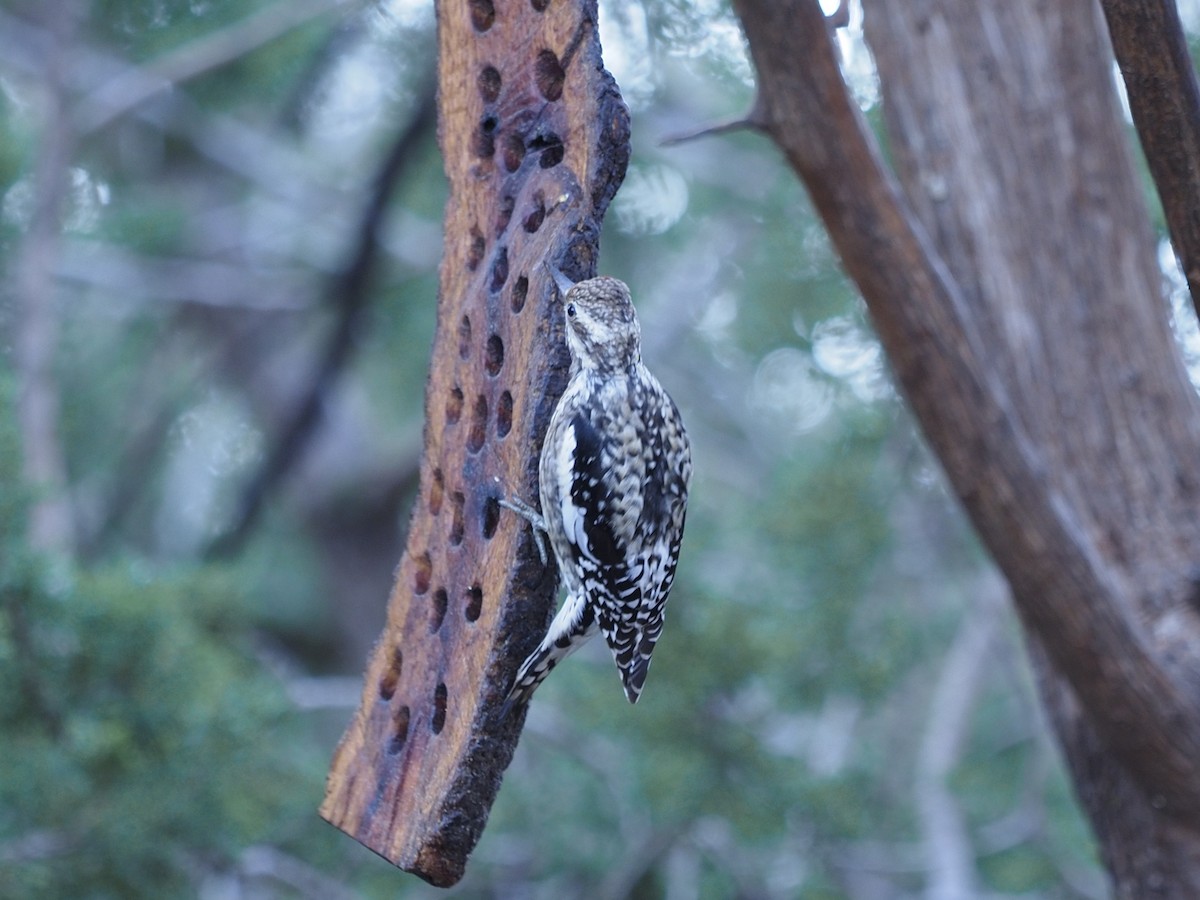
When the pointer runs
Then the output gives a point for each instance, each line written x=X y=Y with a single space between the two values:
x=564 y=283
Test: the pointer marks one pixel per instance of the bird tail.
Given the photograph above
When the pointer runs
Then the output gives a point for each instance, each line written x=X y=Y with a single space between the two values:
x=631 y=650
x=571 y=628
x=633 y=679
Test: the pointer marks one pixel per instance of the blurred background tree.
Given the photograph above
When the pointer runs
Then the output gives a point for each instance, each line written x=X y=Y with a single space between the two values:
x=220 y=227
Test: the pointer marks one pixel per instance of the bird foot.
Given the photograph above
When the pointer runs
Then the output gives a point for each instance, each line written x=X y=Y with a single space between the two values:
x=534 y=518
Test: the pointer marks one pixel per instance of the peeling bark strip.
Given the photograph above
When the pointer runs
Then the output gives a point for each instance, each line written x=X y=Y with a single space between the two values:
x=535 y=139
x=1013 y=284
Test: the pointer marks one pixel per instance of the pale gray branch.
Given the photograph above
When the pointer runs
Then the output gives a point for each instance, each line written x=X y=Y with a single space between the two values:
x=252 y=153
x=37 y=316
x=137 y=84
x=948 y=850
x=148 y=280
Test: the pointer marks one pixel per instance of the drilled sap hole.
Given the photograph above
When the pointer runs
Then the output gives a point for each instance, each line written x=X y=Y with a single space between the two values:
x=519 y=292
x=500 y=269
x=474 y=602
x=454 y=406
x=456 y=527
x=514 y=152
x=552 y=156
x=491 y=516
x=422 y=572
x=464 y=337
x=438 y=722
x=440 y=601
x=534 y=220
x=552 y=149
x=478 y=424
x=505 y=212
x=400 y=730
x=387 y=684
x=489 y=83
x=478 y=248
x=549 y=74
x=493 y=359
x=539 y=5
x=483 y=142
x=504 y=414
x=437 y=488
x=483 y=14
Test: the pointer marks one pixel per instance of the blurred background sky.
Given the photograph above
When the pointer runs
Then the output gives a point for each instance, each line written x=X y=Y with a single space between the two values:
x=189 y=230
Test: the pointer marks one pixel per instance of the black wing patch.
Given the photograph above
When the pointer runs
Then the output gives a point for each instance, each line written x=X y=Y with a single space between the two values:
x=588 y=492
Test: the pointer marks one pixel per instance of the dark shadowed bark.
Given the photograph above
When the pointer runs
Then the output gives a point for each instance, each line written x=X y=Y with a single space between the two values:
x=1150 y=46
x=1011 y=272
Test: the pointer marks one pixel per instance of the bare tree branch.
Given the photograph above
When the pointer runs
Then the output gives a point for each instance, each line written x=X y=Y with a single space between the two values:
x=251 y=153
x=1152 y=51
x=205 y=282
x=137 y=84
x=948 y=849
x=751 y=121
x=37 y=323
x=1067 y=590
x=349 y=293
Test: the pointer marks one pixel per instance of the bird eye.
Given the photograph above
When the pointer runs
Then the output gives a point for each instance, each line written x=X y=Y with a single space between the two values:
x=570 y=310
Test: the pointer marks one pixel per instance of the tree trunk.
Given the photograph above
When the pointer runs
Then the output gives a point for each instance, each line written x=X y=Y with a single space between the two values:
x=1013 y=280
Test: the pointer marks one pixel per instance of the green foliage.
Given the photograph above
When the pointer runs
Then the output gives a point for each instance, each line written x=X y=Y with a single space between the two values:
x=142 y=740
x=142 y=737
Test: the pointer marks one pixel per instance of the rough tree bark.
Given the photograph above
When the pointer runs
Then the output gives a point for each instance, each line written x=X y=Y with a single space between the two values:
x=1011 y=273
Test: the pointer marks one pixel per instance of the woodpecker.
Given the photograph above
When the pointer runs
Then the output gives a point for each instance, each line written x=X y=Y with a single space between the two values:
x=613 y=478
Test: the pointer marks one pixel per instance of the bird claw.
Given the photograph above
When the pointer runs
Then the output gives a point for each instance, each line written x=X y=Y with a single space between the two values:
x=534 y=518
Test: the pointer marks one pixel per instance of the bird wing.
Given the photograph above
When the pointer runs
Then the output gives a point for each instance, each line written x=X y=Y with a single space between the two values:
x=626 y=577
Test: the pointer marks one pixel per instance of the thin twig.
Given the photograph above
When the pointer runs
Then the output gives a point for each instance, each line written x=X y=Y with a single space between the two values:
x=751 y=121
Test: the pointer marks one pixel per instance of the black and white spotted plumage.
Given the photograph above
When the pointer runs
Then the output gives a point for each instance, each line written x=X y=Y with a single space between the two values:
x=614 y=475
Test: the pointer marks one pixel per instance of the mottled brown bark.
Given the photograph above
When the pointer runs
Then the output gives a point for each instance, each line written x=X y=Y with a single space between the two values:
x=1012 y=280
x=535 y=140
